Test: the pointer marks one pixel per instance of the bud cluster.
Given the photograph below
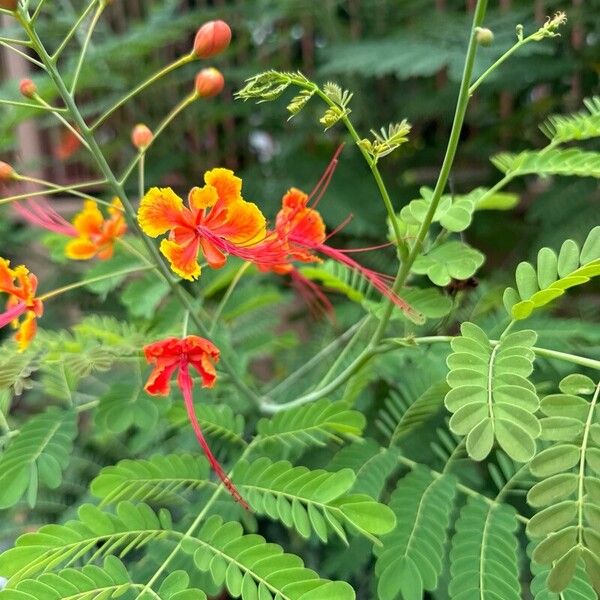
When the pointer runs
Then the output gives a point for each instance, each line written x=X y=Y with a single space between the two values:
x=550 y=27
x=341 y=98
x=270 y=85
x=385 y=142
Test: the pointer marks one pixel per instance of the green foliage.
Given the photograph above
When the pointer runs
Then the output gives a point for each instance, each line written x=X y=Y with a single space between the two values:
x=310 y=425
x=573 y=161
x=554 y=275
x=410 y=560
x=449 y=260
x=483 y=558
x=491 y=398
x=569 y=493
x=579 y=126
x=40 y=452
x=250 y=567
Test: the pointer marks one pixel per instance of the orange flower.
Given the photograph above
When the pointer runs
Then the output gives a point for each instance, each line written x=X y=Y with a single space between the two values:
x=21 y=286
x=97 y=235
x=217 y=221
x=175 y=354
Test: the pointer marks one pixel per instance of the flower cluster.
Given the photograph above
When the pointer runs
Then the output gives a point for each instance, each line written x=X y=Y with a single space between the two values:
x=21 y=287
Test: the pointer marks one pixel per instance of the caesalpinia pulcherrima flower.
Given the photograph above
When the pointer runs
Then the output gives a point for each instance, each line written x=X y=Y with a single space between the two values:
x=176 y=354
x=96 y=235
x=217 y=221
x=21 y=287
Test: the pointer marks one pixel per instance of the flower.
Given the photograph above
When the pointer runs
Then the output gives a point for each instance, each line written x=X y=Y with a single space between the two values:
x=217 y=221
x=209 y=82
x=212 y=38
x=175 y=354
x=97 y=235
x=21 y=286
x=141 y=136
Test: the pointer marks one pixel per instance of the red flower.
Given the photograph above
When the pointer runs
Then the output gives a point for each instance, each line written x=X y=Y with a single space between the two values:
x=175 y=354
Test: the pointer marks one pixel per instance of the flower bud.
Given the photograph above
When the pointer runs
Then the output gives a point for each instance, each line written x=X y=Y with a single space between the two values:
x=484 y=36
x=9 y=4
x=209 y=82
x=212 y=38
x=27 y=88
x=6 y=171
x=141 y=136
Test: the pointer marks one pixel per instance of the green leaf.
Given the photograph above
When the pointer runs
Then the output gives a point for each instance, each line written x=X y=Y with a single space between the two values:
x=41 y=450
x=549 y=162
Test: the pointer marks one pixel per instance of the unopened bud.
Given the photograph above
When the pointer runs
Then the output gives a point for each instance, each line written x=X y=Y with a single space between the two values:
x=27 y=88
x=209 y=82
x=484 y=36
x=6 y=171
x=9 y=4
x=212 y=38
x=141 y=136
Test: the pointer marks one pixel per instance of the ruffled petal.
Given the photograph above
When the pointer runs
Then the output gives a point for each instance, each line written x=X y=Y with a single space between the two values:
x=245 y=224
x=183 y=259
x=81 y=249
x=159 y=382
x=200 y=198
x=27 y=330
x=89 y=221
x=214 y=257
x=161 y=209
x=202 y=355
x=228 y=186
x=7 y=276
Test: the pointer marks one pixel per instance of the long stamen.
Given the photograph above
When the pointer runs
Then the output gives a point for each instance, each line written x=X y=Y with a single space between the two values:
x=317 y=302
x=185 y=384
x=40 y=213
x=325 y=179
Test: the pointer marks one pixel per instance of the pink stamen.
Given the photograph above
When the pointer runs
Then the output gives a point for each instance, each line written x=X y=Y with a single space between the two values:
x=12 y=313
x=317 y=302
x=185 y=384
x=40 y=213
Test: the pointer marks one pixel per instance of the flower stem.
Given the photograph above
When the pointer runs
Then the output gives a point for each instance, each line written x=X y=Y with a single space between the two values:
x=236 y=279
x=171 y=67
x=86 y=45
x=30 y=105
x=73 y=30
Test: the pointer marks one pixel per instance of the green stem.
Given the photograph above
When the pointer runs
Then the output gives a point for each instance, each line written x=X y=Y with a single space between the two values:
x=37 y=11
x=15 y=41
x=174 y=65
x=163 y=125
x=119 y=191
x=141 y=189
x=73 y=30
x=236 y=279
x=78 y=284
x=56 y=189
x=30 y=105
x=86 y=44
x=61 y=119
x=36 y=62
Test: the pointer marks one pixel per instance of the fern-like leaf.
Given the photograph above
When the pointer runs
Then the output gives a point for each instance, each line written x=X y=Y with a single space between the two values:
x=40 y=452
x=311 y=425
x=311 y=500
x=251 y=568
x=555 y=161
x=483 y=558
x=569 y=493
x=95 y=534
x=491 y=398
x=411 y=558
x=554 y=275
x=579 y=126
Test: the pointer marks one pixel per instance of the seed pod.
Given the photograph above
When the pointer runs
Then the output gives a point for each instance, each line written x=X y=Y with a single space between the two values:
x=6 y=172
x=211 y=39
x=141 y=136
x=27 y=88
x=209 y=82
x=484 y=36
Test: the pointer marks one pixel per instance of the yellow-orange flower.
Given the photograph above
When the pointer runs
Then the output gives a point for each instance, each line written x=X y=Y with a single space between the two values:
x=96 y=235
x=21 y=286
x=217 y=221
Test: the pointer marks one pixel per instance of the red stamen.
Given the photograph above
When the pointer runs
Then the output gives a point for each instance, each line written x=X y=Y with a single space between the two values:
x=325 y=179
x=40 y=213
x=318 y=303
x=185 y=384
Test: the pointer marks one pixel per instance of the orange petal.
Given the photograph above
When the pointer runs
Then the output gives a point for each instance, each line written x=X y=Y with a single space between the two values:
x=26 y=331
x=245 y=224
x=183 y=259
x=229 y=187
x=80 y=249
x=204 y=197
x=89 y=221
x=214 y=257
x=6 y=276
x=161 y=209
